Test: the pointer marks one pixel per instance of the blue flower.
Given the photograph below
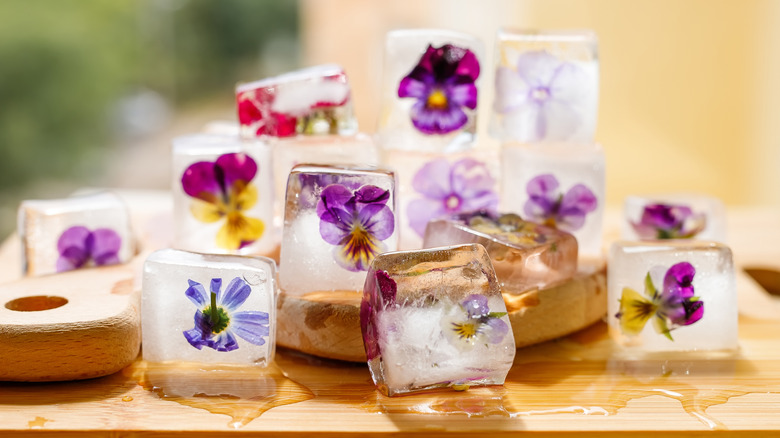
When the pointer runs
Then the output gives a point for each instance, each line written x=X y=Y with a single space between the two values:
x=218 y=321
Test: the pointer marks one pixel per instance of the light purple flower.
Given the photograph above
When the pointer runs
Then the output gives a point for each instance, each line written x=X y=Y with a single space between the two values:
x=549 y=206
x=446 y=189
x=477 y=325
x=356 y=221
x=443 y=84
x=666 y=221
x=78 y=246
x=218 y=321
x=540 y=97
x=672 y=307
x=379 y=294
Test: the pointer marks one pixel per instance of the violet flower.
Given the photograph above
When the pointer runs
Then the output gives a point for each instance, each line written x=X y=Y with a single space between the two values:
x=672 y=307
x=539 y=98
x=379 y=295
x=667 y=221
x=218 y=321
x=549 y=206
x=356 y=222
x=443 y=84
x=446 y=189
x=78 y=246
x=222 y=190
x=476 y=325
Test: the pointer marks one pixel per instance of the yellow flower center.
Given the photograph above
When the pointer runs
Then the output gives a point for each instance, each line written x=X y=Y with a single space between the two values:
x=437 y=100
x=465 y=330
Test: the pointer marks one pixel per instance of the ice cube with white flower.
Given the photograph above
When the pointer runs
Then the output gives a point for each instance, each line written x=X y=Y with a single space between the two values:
x=672 y=295
x=208 y=308
x=71 y=233
x=435 y=318
x=674 y=216
x=336 y=220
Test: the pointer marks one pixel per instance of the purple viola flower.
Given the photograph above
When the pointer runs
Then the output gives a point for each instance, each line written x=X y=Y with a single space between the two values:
x=540 y=97
x=379 y=295
x=218 y=321
x=356 y=222
x=549 y=206
x=222 y=190
x=667 y=221
x=672 y=307
x=464 y=186
x=443 y=84
x=78 y=246
x=476 y=325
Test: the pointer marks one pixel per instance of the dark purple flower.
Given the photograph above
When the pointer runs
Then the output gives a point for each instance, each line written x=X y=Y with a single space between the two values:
x=78 y=246
x=223 y=189
x=464 y=186
x=379 y=294
x=218 y=321
x=477 y=325
x=356 y=221
x=549 y=206
x=443 y=83
x=666 y=221
x=672 y=307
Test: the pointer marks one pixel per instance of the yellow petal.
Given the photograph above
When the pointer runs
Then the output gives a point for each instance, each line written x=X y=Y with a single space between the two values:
x=635 y=310
x=239 y=229
x=244 y=195
x=205 y=211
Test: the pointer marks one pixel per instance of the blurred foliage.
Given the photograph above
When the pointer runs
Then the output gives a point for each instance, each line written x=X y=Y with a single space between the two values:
x=64 y=64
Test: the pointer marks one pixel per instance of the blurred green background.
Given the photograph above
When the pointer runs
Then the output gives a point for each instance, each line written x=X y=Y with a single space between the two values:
x=85 y=82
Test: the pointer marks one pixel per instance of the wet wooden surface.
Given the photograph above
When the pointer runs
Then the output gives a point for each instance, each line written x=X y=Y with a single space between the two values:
x=574 y=385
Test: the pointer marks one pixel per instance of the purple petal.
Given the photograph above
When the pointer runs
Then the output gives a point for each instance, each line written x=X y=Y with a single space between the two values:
x=662 y=216
x=578 y=201
x=199 y=181
x=236 y=167
x=105 y=246
x=236 y=293
x=437 y=121
x=433 y=180
x=73 y=237
x=537 y=68
x=498 y=330
x=678 y=282
x=368 y=327
x=251 y=326
x=645 y=232
x=557 y=120
x=370 y=194
x=334 y=196
x=197 y=293
x=543 y=186
x=471 y=178
x=410 y=86
x=571 y=221
x=200 y=335
x=468 y=65
x=378 y=220
x=225 y=341
x=476 y=305
x=511 y=91
x=387 y=287
x=335 y=225
x=421 y=211
x=463 y=95
x=694 y=310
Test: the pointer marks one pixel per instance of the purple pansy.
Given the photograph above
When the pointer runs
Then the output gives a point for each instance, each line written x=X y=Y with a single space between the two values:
x=379 y=295
x=464 y=186
x=540 y=96
x=222 y=190
x=356 y=221
x=550 y=206
x=443 y=84
x=672 y=307
x=218 y=321
x=476 y=325
x=78 y=246
x=667 y=221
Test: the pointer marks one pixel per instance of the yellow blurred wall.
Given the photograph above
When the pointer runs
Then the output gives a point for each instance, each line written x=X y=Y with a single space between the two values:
x=690 y=93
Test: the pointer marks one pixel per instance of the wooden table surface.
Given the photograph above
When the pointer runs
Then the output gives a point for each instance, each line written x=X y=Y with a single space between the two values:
x=574 y=385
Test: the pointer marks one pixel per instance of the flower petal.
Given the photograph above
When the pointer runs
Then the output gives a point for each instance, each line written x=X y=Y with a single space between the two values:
x=235 y=167
x=433 y=179
x=378 y=220
x=678 y=282
x=388 y=288
x=410 y=86
x=235 y=294
x=422 y=211
x=496 y=330
x=335 y=226
x=225 y=341
x=570 y=84
x=472 y=179
x=252 y=326
x=463 y=95
x=369 y=329
x=248 y=112
x=468 y=65
x=334 y=196
x=635 y=311
x=537 y=68
x=239 y=231
x=370 y=194
x=475 y=305
x=200 y=335
x=358 y=250
x=105 y=246
x=205 y=211
x=511 y=91
x=199 y=181
x=557 y=121
x=197 y=293
x=437 y=121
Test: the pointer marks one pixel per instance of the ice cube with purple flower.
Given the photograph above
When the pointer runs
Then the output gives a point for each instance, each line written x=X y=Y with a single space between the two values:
x=674 y=216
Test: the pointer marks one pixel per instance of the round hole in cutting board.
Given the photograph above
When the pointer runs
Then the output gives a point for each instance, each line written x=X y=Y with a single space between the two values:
x=36 y=303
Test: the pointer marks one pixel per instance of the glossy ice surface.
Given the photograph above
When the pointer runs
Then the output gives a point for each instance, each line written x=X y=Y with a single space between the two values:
x=705 y=215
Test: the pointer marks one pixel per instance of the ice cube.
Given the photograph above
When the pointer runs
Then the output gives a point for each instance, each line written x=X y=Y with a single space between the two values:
x=524 y=254
x=82 y=231
x=422 y=108
x=337 y=219
x=674 y=216
x=435 y=318
x=672 y=296
x=311 y=101
x=559 y=185
x=547 y=86
x=223 y=195
x=208 y=308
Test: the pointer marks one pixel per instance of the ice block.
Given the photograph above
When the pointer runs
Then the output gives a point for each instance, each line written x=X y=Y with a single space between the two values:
x=674 y=216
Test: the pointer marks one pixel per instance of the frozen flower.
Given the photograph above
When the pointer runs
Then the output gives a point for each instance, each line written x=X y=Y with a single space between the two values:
x=509 y=227
x=549 y=206
x=218 y=321
x=540 y=97
x=443 y=84
x=356 y=221
x=672 y=307
x=475 y=324
x=78 y=246
x=379 y=295
x=223 y=190
x=446 y=189
x=665 y=221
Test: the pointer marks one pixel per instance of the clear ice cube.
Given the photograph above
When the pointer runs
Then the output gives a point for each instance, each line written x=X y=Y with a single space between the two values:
x=435 y=318
x=77 y=232
x=310 y=101
x=547 y=86
x=672 y=296
x=223 y=195
x=208 y=308
x=337 y=219
x=674 y=216
x=525 y=255
x=559 y=185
